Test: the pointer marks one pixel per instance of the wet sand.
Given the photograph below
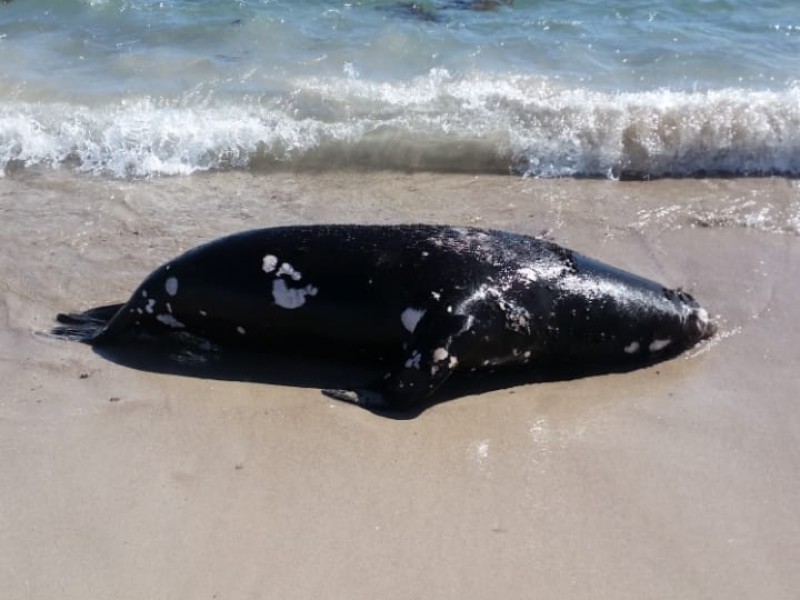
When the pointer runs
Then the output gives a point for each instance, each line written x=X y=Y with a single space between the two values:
x=675 y=481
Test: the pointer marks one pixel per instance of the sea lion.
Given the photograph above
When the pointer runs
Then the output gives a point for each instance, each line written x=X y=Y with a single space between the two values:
x=430 y=299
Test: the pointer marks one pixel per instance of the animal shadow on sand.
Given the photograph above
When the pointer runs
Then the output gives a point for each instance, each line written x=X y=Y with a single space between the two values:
x=328 y=368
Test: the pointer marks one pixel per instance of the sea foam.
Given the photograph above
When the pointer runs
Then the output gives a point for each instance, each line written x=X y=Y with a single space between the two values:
x=478 y=123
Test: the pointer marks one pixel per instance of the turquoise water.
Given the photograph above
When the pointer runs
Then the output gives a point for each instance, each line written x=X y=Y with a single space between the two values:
x=542 y=88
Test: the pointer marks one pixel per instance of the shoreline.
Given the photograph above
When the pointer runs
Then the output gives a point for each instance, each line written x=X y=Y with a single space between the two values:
x=677 y=480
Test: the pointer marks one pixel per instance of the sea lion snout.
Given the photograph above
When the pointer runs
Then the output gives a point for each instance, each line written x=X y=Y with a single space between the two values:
x=699 y=325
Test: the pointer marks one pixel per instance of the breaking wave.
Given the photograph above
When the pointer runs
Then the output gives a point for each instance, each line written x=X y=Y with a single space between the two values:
x=476 y=124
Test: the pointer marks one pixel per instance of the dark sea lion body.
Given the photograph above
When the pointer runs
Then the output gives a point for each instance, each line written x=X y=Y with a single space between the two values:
x=431 y=299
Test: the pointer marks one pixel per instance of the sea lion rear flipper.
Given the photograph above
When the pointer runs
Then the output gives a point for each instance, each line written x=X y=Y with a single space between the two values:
x=85 y=326
x=99 y=315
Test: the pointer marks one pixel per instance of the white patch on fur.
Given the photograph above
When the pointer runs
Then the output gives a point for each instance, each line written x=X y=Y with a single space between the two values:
x=170 y=320
x=287 y=269
x=413 y=362
x=410 y=317
x=632 y=348
x=269 y=263
x=203 y=313
x=291 y=298
x=241 y=330
x=657 y=345
x=171 y=286
x=440 y=354
x=436 y=295
x=468 y=325
x=453 y=362
x=528 y=274
x=150 y=304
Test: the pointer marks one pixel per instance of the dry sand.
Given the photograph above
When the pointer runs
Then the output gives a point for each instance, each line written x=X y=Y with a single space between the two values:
x=676 y=481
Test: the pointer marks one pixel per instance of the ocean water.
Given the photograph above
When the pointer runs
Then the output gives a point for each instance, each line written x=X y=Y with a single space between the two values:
x=542 y=88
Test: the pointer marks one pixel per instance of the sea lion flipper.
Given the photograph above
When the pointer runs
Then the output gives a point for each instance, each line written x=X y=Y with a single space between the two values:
x=431 y=358
x=84 y=327
x=362 y=397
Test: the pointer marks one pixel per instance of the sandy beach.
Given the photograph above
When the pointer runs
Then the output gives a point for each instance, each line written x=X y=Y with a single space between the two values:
x=679 y=480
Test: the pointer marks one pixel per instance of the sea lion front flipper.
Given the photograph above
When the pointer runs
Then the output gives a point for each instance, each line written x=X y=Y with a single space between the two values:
x=362 y=397
x=432 y=356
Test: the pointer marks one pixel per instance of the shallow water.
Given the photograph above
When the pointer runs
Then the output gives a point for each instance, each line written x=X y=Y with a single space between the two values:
x=586 y=88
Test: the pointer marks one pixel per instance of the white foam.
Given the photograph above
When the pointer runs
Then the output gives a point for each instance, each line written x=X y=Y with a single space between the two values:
x=476 y=123
x=480 y=450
